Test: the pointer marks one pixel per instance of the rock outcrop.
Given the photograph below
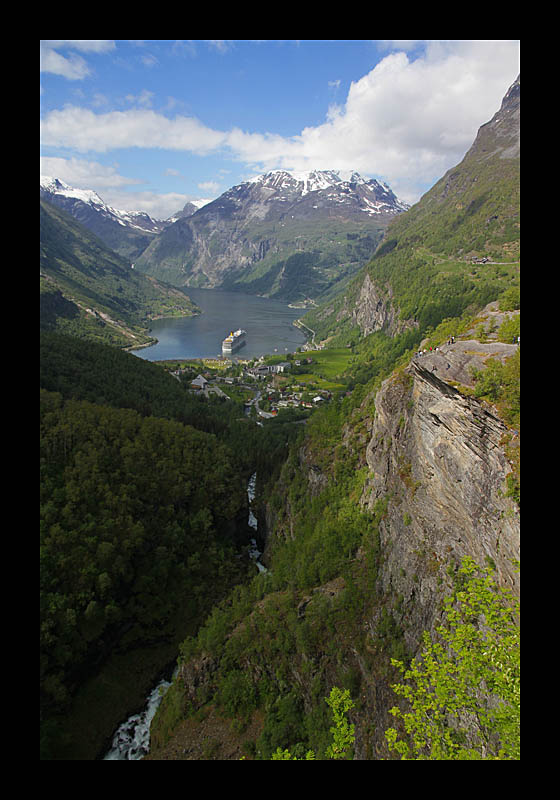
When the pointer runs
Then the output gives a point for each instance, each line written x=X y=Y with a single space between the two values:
x=373 y=310
x=441 y=457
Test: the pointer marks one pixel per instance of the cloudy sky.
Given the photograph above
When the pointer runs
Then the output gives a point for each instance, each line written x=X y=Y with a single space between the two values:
x=151 y=124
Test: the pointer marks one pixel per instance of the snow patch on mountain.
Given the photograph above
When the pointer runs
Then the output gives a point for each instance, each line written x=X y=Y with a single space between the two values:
x=56 y=186
x=342 y=186
x=132 y=219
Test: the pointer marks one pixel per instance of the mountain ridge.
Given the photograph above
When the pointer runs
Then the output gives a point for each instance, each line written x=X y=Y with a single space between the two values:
x=284 y=235
x=128 y=233
x=471 y=213
x=89 y=289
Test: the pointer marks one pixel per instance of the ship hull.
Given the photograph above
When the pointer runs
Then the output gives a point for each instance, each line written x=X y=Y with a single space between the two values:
x=233 y=342
x=233 y=348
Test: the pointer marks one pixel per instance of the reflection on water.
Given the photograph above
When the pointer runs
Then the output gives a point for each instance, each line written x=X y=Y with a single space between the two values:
x=269 y=326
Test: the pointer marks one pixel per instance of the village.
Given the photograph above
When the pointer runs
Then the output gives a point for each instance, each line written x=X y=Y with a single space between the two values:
x=268 y=385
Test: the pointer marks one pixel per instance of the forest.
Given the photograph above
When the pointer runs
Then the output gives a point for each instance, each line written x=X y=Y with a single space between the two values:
x=133 y=544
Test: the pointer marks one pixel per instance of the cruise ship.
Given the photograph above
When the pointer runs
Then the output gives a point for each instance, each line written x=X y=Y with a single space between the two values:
x=234 y=341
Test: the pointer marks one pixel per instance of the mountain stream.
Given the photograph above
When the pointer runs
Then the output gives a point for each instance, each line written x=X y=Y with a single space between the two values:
x=131 y=740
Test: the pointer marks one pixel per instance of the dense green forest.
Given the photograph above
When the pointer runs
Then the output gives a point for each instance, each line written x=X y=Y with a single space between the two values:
x=134 y=545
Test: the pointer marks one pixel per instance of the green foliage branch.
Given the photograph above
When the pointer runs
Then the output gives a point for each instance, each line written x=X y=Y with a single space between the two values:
x=464 y=693
x=340 y=703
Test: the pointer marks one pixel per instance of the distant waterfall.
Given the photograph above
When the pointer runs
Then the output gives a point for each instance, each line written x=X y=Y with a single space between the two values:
x=254 y=552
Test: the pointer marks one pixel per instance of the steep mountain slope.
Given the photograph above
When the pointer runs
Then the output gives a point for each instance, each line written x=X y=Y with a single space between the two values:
x=127 y=233
x=387 y=490
x=89 y=290
x=283 y=235
x=426 y=267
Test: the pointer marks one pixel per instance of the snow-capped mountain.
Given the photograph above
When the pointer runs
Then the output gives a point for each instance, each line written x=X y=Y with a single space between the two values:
x=342 y=187
x=283 y=234
x=126 y=232
x=55 y=188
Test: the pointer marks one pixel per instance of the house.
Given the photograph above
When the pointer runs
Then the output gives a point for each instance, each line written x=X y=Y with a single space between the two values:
x=282 y=367
x=258 y=372
x=199 y=383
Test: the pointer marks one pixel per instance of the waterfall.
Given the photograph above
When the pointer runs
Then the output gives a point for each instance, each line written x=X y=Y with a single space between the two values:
x=131 y=740
x=254 y=552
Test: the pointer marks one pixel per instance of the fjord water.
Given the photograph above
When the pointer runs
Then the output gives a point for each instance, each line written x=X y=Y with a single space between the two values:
x=269 y=326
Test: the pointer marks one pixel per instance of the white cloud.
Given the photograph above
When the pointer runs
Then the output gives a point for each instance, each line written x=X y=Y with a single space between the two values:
x=84 y=131
x=145 y=98
x=406 y=121
x=112 y=187
x=159 y=206
x=73 y=67
x=149 y=60
x=220 y=45
x=209 y=186
x=83 y=174
x=83 y=45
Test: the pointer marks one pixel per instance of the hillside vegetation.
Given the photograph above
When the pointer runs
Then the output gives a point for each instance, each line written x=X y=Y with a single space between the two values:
x=331 y=611
x=89 y=291
x=424 y=266
x=389 y=518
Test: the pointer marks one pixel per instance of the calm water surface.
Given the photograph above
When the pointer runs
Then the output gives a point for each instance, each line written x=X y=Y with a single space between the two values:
x=269 y=326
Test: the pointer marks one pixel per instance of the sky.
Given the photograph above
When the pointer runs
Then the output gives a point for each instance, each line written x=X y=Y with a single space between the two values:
x=150 y=125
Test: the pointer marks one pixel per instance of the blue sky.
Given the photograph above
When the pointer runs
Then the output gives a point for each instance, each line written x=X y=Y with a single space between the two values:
x=152 y=124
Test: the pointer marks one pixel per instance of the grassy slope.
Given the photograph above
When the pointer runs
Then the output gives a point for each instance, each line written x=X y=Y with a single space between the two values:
x=91 y=291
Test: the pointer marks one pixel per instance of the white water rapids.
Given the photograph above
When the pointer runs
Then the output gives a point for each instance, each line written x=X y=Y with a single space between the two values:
x=131 y=740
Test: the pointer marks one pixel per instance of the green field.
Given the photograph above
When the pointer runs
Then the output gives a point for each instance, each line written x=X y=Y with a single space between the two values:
x=322 y=373
x=331 y=363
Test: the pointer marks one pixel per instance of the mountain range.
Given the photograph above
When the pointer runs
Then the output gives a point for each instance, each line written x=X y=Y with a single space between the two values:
x=286 y=235
x=89 y=290
x=126 y=232
x=289 y=236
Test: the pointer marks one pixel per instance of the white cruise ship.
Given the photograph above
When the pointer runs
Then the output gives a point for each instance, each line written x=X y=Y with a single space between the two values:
x=234 y=341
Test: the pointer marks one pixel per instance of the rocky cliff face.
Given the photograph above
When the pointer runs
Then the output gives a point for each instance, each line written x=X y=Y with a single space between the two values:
x=441 y=457
x=373 y=310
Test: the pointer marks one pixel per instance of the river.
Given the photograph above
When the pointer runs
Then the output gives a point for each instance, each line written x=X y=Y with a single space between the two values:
x=269 y=326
